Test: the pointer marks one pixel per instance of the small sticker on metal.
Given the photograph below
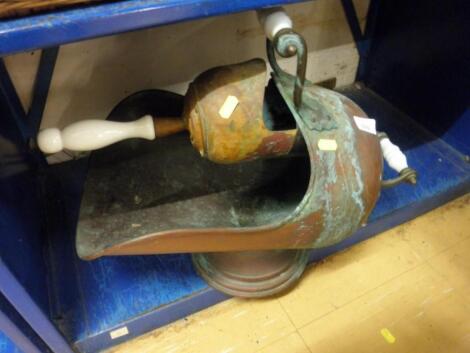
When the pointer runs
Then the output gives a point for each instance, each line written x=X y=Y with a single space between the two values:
x=122 y=331
x=364 y=124
x=327 y=145
x=227 y=109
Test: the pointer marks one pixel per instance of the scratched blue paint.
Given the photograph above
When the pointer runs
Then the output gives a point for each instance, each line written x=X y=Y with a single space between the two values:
x=61 y=27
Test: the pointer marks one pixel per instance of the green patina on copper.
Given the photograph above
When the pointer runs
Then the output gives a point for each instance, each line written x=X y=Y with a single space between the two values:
x=168 y=199
x=322 y=115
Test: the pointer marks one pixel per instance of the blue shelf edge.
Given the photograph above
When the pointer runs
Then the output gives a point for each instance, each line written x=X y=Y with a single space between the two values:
x=67 y=26
x=12 y=340
x=29 y=310
x=16 y=336
x=154 y=319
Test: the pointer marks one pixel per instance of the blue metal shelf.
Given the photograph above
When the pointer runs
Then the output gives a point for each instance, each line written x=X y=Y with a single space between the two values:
x=15 y=334
x=66 y=26
x=87 y=300
x=23 y=275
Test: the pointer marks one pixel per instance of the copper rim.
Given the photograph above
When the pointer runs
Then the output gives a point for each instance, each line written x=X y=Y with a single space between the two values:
x=251 y=274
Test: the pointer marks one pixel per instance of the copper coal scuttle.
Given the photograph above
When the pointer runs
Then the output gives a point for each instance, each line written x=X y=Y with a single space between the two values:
x=267 y=173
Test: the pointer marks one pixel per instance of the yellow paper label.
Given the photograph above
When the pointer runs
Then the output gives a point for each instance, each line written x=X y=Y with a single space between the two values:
x=327 y=145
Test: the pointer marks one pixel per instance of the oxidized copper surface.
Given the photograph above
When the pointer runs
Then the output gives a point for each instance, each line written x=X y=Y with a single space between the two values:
x=168 y=126
x=342 y=189
x=251 y=273
x=244 y=135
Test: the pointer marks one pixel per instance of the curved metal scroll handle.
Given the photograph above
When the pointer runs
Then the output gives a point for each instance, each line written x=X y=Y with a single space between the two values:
x=406 y=175
x=396 y=159
x=288 y=43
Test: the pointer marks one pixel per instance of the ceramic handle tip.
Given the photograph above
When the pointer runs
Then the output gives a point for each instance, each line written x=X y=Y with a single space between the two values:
x=273 y=20
x=395 y=158
x=89 y=135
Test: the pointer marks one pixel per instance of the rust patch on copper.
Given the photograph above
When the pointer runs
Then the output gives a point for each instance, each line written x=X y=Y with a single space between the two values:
x=243 y=136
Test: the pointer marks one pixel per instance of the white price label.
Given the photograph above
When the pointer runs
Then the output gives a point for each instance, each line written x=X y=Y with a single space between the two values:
x=228 y=107
x=119 y=332
x=364 y=124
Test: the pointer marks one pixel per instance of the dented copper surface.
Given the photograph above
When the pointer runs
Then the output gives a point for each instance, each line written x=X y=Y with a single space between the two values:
x=339 y=193
x=243 y=136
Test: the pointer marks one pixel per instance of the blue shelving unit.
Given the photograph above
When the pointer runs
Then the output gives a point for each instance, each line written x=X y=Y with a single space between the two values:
x=416 y=90
x=52 y=29
x=15 y=334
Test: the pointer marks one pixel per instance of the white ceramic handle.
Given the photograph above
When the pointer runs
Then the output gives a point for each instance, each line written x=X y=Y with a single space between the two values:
x=88 y=135
x=273 y=20
x=394 y=157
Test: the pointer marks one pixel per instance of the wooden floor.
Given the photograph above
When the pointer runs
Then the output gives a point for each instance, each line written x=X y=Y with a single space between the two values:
x=406 y=290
